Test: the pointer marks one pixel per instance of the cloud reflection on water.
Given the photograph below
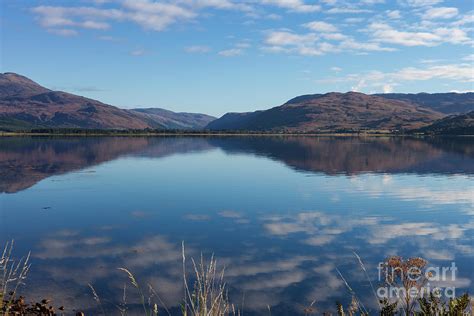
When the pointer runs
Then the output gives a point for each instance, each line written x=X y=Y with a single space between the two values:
x=280 y=236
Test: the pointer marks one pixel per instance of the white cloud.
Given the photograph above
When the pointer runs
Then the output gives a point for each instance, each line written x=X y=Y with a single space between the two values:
x=164 y=9
x=469 y=57
x=311 y=44
x=334 y=36
x=285 y=38
x=430 y=61
x=422 y=3
x=109 y=38
x=372 y=1
x=285 y=41
x=440 y=13
x=155 y=16
x=231 y=52
x=59 y=12
x=387 y=88
x=453 y=35
x=138 y=52
x=319 y=26
x=330 y=2
x=63 y=32
x=459 y=72
x=151 y=15
x=243 y=44
x=385 y=81
x=99 y=2
x=238 y=49
x=354 y=20
x=462 y=91
x=51 y=17
x=223 y=5
x=467 y=18
x=393 y=14
x=347 y=10
x=362 y=83
x=293 y=5
x=364 y=46
x=384 y=33
x=94 y=25
x=197 y=49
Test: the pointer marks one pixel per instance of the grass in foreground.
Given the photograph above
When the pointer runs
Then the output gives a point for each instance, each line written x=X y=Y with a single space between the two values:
x=208 y=295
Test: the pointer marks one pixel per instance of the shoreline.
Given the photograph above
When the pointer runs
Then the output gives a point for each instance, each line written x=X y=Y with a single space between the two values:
x=221 y=134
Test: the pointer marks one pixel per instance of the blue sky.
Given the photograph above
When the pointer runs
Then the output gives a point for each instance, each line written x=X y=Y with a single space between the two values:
x=216 y=56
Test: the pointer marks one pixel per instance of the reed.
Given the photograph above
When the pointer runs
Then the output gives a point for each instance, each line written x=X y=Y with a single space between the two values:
x=13 y=274
x=209 y=294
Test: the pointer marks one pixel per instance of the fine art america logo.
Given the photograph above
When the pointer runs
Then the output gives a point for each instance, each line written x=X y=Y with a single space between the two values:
x=412 y=279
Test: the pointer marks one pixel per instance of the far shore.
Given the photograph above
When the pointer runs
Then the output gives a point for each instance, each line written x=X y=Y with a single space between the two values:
x=221 y=134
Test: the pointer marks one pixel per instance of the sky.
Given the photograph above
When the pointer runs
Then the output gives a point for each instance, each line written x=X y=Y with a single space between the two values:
x=218 y=56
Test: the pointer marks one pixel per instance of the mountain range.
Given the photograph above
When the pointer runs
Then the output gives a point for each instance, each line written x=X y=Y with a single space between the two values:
x=173 y=120
x=351 y=111
x=25 y=105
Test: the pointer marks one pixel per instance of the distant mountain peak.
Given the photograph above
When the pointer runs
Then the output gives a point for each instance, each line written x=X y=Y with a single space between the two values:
x=24 y=104
x=13 y=84
x=19 y=79
x=14 y=75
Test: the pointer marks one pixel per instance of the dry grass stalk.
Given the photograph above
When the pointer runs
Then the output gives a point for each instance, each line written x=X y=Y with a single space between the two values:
x=137 y=286
x=208 y=297
x=360 y=306
x=122 y=307
x=97 y=298
x=362 y=265
x=12 y=274
x=155 y=306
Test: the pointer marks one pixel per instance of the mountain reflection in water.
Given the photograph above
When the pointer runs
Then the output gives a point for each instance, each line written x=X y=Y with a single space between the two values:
x=25 y=161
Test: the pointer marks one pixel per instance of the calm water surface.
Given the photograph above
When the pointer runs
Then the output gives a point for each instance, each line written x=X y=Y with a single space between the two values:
x=281 y=214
